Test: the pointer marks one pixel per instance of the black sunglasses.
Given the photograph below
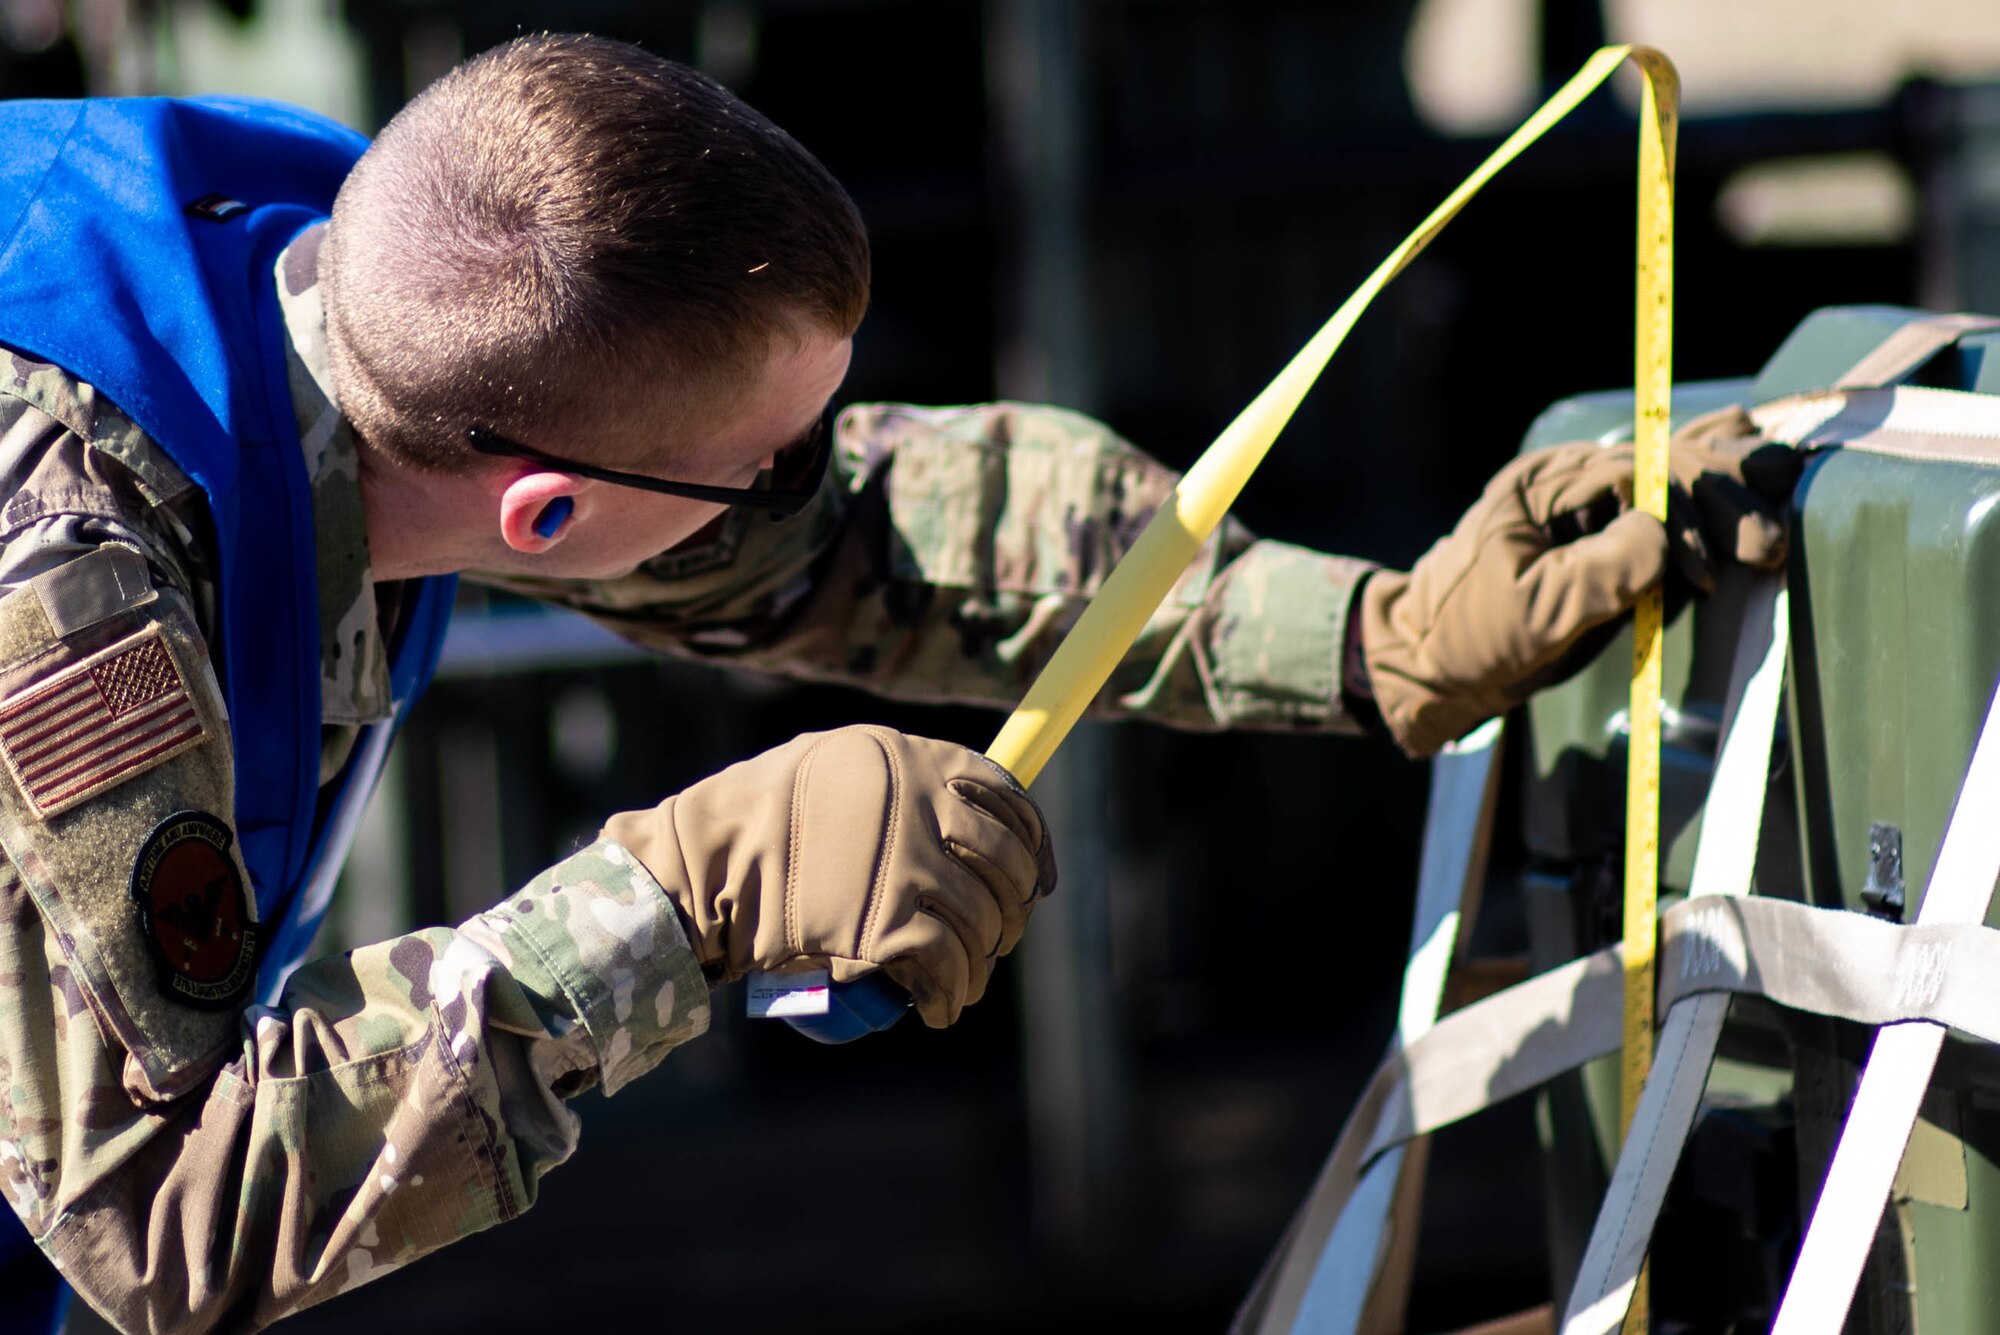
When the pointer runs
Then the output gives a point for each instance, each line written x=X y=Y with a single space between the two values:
x=795 y=475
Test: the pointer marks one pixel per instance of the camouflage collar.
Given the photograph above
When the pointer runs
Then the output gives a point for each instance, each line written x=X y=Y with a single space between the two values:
x=354 y=661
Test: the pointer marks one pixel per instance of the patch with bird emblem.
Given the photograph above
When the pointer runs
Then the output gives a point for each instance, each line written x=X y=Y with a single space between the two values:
x=195 y=909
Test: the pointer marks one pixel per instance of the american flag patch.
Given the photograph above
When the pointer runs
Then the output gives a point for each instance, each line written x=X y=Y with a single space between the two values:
x=90 y=727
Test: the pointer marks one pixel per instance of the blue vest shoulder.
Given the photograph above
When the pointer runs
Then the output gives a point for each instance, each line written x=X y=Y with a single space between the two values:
x=94 y=200
x=140 y=237
x=171 y=313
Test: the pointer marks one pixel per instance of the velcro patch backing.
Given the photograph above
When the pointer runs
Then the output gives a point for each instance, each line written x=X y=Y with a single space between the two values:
x=93 y=588
x=96 y=724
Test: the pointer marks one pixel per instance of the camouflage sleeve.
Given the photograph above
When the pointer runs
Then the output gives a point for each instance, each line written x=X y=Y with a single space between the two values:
x=190 y=1163
x=395 y=1100
x=952 y=549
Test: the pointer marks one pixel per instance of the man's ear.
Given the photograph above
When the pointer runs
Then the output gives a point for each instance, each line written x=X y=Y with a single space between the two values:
x=535 y=510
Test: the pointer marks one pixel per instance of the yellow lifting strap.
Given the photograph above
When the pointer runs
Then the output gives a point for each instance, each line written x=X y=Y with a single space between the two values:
x=1135 y=588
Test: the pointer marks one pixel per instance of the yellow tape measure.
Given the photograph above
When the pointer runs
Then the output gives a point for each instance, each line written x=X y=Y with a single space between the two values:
x=1140 y=582
x=1137 y=585
x=1653 y=379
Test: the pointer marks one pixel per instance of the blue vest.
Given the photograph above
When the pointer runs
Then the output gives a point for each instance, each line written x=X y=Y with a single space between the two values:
x=172 y=314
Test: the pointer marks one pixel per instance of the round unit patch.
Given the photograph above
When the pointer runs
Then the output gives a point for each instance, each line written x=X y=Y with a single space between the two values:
x=196 y=911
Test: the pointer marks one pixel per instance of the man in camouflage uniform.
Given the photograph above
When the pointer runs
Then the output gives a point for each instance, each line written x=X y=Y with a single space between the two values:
x=192 y=1167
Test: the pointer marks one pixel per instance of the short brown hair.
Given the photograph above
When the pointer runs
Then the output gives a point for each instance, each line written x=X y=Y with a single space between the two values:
x=560 y=212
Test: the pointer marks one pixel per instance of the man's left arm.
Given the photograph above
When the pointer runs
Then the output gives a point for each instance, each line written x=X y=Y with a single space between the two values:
x=950 y=551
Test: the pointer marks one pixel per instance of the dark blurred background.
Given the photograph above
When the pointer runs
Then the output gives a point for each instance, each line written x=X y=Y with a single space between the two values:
x=1138 y=208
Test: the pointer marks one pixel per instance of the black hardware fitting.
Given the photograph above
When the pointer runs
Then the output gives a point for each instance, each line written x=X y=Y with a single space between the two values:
x=1883 y=894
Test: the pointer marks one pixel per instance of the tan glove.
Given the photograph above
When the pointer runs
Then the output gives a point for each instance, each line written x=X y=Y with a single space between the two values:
x=1549 y=554
x=853 y=849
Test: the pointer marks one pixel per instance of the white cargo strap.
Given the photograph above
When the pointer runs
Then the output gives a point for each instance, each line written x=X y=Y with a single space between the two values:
x=1826 y=961
x=1865 y=414
x=1451 y=878
x=1319 y=1278
x=1822 y=960
x=1910 y=422
x=1324 y=1271
x=1904 y=352
x=1731 y=821
x=1925 y=424
x=1836 y=962
x=1899 y=1069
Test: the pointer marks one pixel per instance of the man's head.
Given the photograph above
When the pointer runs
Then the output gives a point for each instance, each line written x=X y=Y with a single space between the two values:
x=582 y=246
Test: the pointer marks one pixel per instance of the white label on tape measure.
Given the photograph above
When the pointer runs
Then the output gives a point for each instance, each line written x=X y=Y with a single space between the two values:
x=778 y=996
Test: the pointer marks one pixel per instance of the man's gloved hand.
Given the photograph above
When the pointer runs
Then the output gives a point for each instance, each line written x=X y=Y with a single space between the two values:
x=1553 y=551
x=853 y=849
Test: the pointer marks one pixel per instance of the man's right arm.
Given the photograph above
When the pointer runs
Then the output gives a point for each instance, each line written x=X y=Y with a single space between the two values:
x=190 y=1161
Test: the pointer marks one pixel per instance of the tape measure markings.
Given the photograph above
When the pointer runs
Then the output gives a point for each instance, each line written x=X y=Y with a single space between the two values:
x=1653 y=381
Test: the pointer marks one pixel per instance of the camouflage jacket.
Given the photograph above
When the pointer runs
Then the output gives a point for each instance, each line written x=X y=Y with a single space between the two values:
x=950 y=551
x=191 y=1168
